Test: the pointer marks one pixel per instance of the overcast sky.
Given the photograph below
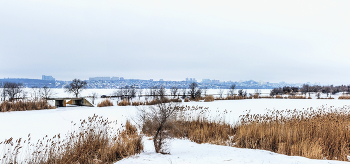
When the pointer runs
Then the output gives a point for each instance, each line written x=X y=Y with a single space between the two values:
x=295 y=41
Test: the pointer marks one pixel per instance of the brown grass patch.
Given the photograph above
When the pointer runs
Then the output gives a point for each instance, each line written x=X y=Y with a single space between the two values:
x=104 y=103
x=124 y=103
x=209 y=98
x=314 y=134
x=318 y=134
x=93 y=143
x=344 y=97
x=7 y=106
x=187 y=100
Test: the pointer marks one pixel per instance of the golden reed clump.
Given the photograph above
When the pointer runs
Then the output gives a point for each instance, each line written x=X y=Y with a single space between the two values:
x=124 y=103
x=104 y=103
x=318 y=134
x=7 y=106
x=344 y=97
x=92 y=143
x=209 y=98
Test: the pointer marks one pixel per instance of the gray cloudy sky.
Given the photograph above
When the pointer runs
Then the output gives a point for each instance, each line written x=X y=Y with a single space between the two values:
x=294 y=41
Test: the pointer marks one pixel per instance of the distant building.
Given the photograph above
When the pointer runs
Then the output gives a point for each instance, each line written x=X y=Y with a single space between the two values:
x=48 y=78
x=115 y=78
x=206 y=81
x=99 y=78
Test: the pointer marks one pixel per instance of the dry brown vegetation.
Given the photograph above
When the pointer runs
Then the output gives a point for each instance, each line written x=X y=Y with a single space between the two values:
x=297 y=97
x=344 y=97
x=7 y=106
x=124 y=103
x=186 y=100
x=319 y=134
x=152 y=102
x=326 y=98
x=104 y=103
x=93 y=143
x=266 y=97
x=209 y=98
x=322 y=133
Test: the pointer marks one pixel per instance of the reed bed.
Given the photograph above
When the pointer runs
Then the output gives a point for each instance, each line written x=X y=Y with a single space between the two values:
x=344 y=97
x=124 y=103
x=319 y=134
x=266 y=97
x=326 y=98
x=104 y=103
x=298 y=97
x=7 y=106
x=322 y=133
x=153 y=102
x=92 y=143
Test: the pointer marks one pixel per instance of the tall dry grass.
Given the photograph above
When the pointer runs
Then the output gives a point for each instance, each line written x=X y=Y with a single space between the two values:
x=322 y=133
x=318 y=134
x=104 y=103
x=344 y=97
x=7 y=106
x=92 y=143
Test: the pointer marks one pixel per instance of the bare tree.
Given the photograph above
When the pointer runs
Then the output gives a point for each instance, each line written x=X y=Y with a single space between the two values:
x=221 y=92
x=242 y=93
x=2 y=92
x=94 y=96
x=257 y=92
x=159 y=120
x=75 y=87
x=184 y=92
x=161 y=92
x=13 y=90
x=194 y=91
x=139 y=92
x=174 y=90
x=205 y=89
x=47 y=92
x=35 y=93
x=231 y=91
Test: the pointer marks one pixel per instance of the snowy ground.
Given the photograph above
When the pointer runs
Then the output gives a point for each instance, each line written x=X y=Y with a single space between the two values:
x=184 y=151
x=51 y=122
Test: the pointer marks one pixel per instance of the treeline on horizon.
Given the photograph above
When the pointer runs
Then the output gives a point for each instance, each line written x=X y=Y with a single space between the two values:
x=308 y=89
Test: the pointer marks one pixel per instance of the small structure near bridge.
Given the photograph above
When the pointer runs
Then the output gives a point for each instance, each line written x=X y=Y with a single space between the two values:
x=62 y=102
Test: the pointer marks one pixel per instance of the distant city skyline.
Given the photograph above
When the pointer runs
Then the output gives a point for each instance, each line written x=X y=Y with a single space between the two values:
x=294 y=41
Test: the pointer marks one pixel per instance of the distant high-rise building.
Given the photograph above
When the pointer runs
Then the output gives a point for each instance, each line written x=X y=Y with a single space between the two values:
x=49 y=78
x=99 y=78
x=115 y=78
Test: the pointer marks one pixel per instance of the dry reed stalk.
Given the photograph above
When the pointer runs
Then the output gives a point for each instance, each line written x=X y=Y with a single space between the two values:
x=7 y=106
x=93 y=143
x=319 y=134
x=104 y=103
x=124 y=103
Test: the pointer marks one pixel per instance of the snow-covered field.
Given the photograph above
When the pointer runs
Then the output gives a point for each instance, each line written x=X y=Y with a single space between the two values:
x=50 y=122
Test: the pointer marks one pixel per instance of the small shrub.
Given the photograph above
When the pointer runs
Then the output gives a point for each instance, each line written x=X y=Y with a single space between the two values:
x=124 y=103
x=187 y=100
x=209 y=98
x=104 y=103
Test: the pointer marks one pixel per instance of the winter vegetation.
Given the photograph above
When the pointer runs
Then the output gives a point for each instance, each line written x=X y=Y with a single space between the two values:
x=164 y=116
